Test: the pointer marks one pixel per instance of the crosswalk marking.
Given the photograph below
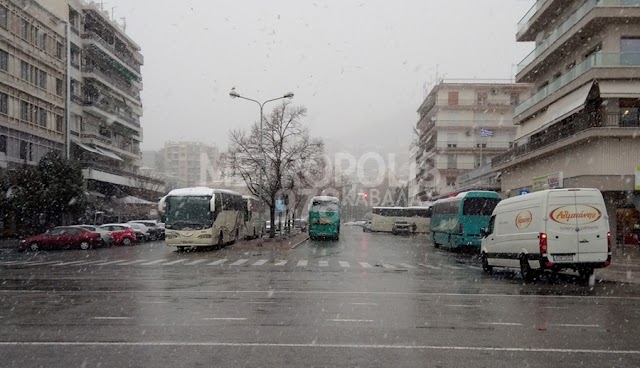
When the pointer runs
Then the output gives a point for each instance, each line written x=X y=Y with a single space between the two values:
x=132 y=262
x=302 y=263
x=280 y=263
x=364 y=265
x=154 y=262
x=260 y=262
x=429 y=266
x=323 y=263
x=218 y=262
x=388 y=266
x=405 y=265
x=110 y=262
x=239 y=262
x=344 y=264
x=195 y=262
x=451 y=267
x=68 y=263
x=42 y=263
x=173 y=262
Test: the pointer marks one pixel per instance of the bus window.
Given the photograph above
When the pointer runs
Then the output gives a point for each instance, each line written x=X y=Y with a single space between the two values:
x=479 y=206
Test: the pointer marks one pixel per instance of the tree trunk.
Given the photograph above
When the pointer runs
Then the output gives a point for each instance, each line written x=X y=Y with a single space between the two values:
x=272 y=220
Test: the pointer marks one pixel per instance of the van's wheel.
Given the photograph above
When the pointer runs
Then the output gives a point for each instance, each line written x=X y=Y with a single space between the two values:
x=182 y=249
x=435 y=243
x=485 y=264
x=525 y=269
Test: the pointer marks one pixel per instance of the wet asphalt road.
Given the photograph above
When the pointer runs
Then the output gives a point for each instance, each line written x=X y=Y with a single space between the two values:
x=369 y=300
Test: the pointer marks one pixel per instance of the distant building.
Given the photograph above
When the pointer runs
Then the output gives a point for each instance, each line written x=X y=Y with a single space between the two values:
x=463 y=125
x=191 y=164
x=412 y=185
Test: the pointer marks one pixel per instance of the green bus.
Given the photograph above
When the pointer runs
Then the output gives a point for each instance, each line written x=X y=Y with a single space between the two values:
x=456 y=221
x=324 y=218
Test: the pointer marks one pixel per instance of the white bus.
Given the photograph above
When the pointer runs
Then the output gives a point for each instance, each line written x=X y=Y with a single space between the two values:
x=383 y=218
x=254 y=217
x=202 y=217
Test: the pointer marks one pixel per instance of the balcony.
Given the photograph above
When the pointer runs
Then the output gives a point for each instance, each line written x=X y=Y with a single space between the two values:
x=571 y=21
x=626 y=124
x=477 y=103
x=489 y=145
x=129 y=60
x=598 y=60
x=117 y=175
x=525 y=22
x=110 y=112
x=109 y=80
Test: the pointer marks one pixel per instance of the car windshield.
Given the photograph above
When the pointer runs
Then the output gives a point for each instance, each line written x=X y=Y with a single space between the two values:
x=323 y=183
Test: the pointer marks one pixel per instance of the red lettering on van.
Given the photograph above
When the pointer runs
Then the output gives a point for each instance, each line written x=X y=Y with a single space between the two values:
x=579 y=214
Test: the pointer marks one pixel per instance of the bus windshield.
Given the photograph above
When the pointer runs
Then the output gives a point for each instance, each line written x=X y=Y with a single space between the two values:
x=324 y=206
x=479 y=206
x=188 y=212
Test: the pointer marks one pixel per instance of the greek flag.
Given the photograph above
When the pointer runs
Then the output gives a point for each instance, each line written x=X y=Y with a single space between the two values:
x=486 y=133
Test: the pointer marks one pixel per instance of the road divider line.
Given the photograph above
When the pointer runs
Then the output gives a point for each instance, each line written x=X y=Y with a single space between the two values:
x=349 y=320
x=174 y=262
x=302 y=263
x=501 y=323
x=451 y=267
x=429 y=266
x=239 y=262
x=323 y=263
x=111 y=262
x=344 y=264
x=260 y=262
x=364 y=264
x=224 y=319
x=280 y=263
x=154 y=262
x=109 y=318
x=314 y=345
x=574 y=325
x=406 y=265
x=461 y=305
x=68 y=263
x=388 y=266
x=195 y=262
x=364 y=303
x=218 y=262
x=132 y=262
x=42 y=263
x=555 y=307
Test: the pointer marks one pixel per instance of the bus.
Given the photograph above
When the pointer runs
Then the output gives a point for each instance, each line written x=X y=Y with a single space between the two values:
x=202 y=217
x=324 y=218
x=383 y=218
x=456 y=221
x=254 y=217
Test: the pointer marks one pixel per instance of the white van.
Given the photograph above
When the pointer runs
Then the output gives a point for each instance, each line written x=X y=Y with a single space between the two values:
x=549 y=230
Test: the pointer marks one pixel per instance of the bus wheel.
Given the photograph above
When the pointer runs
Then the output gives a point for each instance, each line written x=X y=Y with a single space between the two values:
x=220 y=244
x=182 y=249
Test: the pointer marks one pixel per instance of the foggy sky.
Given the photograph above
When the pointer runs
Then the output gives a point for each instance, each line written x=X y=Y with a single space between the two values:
x=360 y=67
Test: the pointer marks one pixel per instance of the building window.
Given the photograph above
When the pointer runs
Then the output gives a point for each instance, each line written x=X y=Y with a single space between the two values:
x=452 y=162
x=59 y=49
x=42 y=82
x=24 y=29
x=453 y=98
x=482 y=98
x=3 y=144
x=42 y=41
x=4 y=60
x=24 y=70
x=23 y=150
x=43 y=117
x=4 y=17
x=59 y=86
x=451 y=181
x=24 y=111
x=515 y=99
x=481 y=145
x=4 y=103
x=59 y=124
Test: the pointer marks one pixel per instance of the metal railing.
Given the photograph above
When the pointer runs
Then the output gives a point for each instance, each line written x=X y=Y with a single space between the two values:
x=571 y=21
x=524 y=22
x=118 y=171
x=555 y=135
x=111 y=110
x=476 y=102
x=596 y=60
x=127 y=59
x=128 y=89
x=488 y=144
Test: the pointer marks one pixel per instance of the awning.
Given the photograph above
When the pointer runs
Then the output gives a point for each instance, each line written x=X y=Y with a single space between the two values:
x=86 y=147
x=95 y=194
x=619 y=89
x=132 y=200
x=108 y=153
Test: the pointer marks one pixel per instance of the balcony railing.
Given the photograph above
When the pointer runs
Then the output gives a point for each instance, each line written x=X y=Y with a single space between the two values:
x=127 y=59
x=114 y=81
x=479 y=102
x=524 y=22
x=111 y=110
x=582 y=124
x=118 y=171
x=571 y=21
x=488 y=144
x=597 y=60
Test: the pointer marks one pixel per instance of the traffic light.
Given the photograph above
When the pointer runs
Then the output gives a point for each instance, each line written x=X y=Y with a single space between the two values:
x=365 y=195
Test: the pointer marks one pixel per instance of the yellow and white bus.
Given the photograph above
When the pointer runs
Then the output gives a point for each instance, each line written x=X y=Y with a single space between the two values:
x=383 y=218
x=254 y=217
x=202 y=217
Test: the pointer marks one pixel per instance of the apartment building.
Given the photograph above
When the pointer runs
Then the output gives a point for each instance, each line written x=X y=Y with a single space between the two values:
x=32 y=74
x=191 y=163
x=463 y=125
x=582 y=126
x=412 y=184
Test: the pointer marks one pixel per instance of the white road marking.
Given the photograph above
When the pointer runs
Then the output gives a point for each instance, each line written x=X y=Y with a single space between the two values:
x=260 y=302
x=174 y=262
x=364 y=303
x=281 y=263
x=500 y=323
x=388 y=266
x=365 y=264
x=573 y=325
x=218 y=262
x=323 y=263
x=344 y=264
x=224 y=319
x=239 y=262
x=302 y=263
x=405 y=265
x=350 y=320
x=461 y=305
x=154 y=262
x=43 y=263
x=110 y=262
x=195 y=262
x=555 y=307
x=111 y=317
x=68 y=263
x=155 y=302
x=429 y=266
x=132 y=262
x=320 y=346
x=451 y=267
x=260 y=262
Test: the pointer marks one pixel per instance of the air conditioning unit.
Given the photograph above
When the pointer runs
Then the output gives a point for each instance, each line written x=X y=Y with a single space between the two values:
x=468 y=133
x=494 y=91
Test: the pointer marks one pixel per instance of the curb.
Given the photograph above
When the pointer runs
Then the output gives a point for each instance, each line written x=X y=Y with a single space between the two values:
x=300 y=242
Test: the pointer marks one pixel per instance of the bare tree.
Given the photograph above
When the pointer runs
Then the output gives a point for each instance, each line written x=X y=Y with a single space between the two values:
x=288 y=153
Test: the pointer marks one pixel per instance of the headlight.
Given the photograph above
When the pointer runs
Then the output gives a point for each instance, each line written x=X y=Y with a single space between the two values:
x=205 y=236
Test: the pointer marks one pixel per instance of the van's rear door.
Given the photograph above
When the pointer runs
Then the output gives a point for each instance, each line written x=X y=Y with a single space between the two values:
x=593 y=226
x=562 y=236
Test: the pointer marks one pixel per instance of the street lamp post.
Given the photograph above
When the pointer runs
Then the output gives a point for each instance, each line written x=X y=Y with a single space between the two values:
x=235 y=94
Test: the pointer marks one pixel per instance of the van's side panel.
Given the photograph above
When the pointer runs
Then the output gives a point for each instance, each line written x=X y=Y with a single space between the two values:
x=518 y=226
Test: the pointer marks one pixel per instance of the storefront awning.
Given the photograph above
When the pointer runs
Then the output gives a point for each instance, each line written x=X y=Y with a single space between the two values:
x=86 y=147
x=108 y=153
x=619 y=89
x=132 y=200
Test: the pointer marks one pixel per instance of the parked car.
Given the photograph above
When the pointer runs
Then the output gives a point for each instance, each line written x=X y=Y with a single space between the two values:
x=107 y=238
x=123 y=234
x=155 y=232
x=62 y=237
x=142 y=232
x=401 y=227
x=366 y=228
x=300 y=223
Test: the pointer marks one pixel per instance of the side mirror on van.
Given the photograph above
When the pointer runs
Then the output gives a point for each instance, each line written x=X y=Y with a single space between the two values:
x=484 y=232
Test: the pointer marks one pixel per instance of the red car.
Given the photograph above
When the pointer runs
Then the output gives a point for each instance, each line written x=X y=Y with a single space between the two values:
x=62 y=237
x=122 y=234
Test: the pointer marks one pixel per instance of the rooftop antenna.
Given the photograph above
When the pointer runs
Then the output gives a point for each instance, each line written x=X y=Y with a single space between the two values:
x=124 y=24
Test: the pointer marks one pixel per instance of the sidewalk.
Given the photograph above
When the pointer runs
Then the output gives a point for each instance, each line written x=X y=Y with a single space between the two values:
x=9 y=243
x=280 y=242
x=625 y=265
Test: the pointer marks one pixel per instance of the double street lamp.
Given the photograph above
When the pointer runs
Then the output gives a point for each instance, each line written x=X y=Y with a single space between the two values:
x=234 y=94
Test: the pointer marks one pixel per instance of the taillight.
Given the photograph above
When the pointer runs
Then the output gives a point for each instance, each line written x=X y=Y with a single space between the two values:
x=460 y=228
x=543 y=243
x=609 y=242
